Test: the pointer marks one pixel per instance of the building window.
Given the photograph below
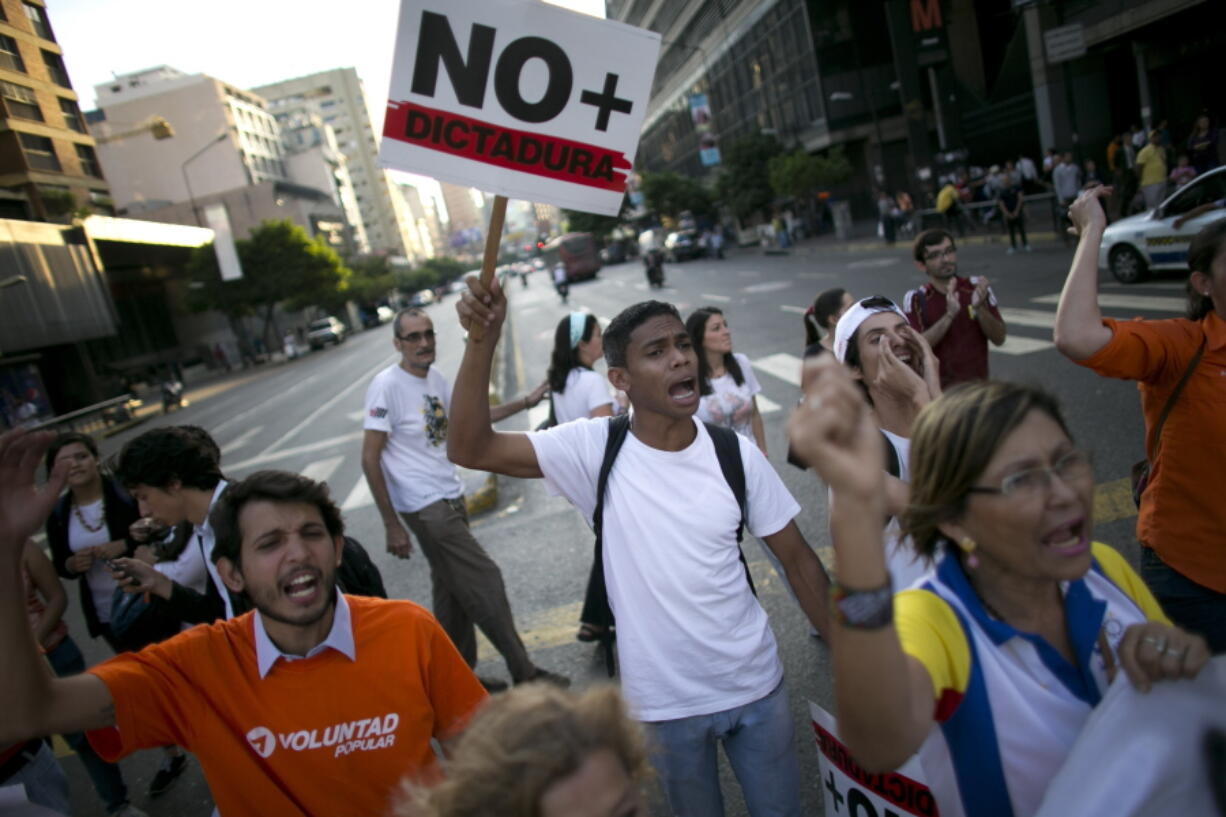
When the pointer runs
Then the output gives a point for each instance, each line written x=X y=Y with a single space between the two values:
x=40 y=153
x=38 y=21
x=89 y=161
x=72 y=115
x=20 y=101
x=10 y=57
x=55 y=67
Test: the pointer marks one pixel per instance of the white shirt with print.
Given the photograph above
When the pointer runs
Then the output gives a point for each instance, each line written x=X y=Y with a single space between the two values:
x=731 y=405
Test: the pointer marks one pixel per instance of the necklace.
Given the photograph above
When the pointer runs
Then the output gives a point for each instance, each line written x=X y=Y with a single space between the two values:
x=76 y=511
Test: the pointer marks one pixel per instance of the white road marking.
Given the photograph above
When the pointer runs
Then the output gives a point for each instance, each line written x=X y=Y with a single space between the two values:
x=767 y=405
x=820 y=276
x=262 y=406
x=355 y=416
x=1148 y=303
x=799 y=310
x=241 y=440
x=723 y=299
x=749 y=273
x=359 y=497
x=1021 y=346
x=305 y=448
x=781 y=365
x=361 y=379
x=321 y=470
x=873 y=263
x=1029 y=317
x=767 y=286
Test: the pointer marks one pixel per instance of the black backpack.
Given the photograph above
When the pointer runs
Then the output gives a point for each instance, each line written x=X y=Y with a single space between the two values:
x=727 y=450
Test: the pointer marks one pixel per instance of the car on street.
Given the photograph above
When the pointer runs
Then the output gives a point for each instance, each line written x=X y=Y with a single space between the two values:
x=324 y=331
x=1133 y=247
x=682 y=245
x=423 y=297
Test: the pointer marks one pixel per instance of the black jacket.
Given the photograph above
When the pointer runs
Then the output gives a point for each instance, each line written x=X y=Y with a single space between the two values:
x=121 y=512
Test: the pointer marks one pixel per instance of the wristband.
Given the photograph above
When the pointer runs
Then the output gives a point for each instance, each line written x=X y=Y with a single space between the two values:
x=863 y=609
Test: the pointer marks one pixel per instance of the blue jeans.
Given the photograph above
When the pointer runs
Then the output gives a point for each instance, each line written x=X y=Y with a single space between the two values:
x=759 y=741
x=66 y=659
x=1189 y=605
x=44 y=780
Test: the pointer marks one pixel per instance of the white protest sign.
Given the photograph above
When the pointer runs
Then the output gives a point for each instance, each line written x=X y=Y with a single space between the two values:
x=518 y=98
x=847 y=789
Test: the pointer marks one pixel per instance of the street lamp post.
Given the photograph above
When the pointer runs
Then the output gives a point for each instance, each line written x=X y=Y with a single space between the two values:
x=187 y=182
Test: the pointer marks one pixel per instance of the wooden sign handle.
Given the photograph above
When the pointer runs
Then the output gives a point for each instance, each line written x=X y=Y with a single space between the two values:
x=493 y=238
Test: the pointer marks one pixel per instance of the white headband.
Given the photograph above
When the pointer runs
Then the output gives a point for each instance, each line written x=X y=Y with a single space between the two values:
x=855 y=315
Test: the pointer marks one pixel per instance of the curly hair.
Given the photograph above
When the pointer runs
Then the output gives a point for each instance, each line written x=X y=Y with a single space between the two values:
x=163 y=455
x=521 y=743
x=952 y=442
x=268 y=486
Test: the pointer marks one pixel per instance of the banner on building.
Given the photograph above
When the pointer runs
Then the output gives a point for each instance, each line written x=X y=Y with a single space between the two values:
x=849 y=789
x=700 y=115
x=518 y=98
x=218 y=219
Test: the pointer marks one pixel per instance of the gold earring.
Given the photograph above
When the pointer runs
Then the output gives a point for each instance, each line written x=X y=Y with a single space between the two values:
x=968 y=546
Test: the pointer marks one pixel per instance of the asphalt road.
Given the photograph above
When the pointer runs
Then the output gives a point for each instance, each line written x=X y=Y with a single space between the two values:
x=305 y=416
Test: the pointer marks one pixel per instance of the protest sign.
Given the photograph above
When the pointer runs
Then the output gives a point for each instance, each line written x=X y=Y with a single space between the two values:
x=849 y=789
x=518 y=98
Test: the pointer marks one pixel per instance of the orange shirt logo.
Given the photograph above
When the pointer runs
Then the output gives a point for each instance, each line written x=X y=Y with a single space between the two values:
x=365 y=735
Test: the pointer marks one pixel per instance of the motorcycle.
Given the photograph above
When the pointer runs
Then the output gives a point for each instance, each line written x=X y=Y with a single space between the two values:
x=172 y=395
x=654 y=263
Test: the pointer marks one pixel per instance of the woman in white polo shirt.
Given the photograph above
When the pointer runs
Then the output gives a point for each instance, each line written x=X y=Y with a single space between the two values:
x=990 y=667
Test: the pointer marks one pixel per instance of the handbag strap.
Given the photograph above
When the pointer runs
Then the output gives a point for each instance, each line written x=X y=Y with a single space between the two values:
x=1155 y=436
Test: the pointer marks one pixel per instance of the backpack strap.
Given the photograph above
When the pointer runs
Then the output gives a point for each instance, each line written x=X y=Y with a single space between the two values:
x=728 y=452
x=892 y=465
x=596 y=605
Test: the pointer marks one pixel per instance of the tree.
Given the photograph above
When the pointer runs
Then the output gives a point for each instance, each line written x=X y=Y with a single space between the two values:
x=281 y=264
x=371 y=280
x=671 y=194
x=799 y=174
x=599 y=226
x=744 y=185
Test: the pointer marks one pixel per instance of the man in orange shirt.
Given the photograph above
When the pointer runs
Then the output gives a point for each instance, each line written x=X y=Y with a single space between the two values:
x=1182 y=517
x=313 y=703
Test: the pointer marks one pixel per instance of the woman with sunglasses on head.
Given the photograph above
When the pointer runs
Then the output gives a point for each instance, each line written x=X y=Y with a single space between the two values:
x=725 y=379
x=990 y=666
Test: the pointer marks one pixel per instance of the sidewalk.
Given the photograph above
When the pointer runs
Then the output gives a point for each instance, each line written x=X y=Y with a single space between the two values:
x=865 y=239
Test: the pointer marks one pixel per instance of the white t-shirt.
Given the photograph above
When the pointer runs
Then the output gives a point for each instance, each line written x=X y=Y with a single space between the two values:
x=731 y=405
x=691 y=637
x=413 y=412
x=901 y=559
x=585 y=390
x=188 y=569
x=98 y=577
x=203 y=541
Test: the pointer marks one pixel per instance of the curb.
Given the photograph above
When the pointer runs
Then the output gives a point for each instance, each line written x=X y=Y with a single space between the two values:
x=878 y=245
x=485 y=498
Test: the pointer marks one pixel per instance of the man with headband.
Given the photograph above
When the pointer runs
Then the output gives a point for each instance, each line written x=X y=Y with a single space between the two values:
x=404 y=458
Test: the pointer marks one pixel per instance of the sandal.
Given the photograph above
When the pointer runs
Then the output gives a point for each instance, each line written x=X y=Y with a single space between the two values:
x=590 y=632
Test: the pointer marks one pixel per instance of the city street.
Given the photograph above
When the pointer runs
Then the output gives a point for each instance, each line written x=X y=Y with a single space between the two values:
x=306 y=416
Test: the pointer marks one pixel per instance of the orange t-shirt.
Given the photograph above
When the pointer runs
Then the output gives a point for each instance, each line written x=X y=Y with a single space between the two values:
x=1182 y=514
x=321 y=735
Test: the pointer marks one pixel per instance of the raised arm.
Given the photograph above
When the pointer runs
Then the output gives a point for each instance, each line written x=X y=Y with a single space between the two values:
x=35 y=703
x=471 y=439
x=884 y=697
x=1079 y=331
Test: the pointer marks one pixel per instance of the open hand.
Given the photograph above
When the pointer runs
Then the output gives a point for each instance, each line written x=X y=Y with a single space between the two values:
x=952 y=304
x=135 y=576
x=24 y=507
x=930 y=366
x=896 y=378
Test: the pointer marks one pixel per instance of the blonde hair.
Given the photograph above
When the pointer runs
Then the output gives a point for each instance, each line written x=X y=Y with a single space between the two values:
x=522 y=742
x=952 y=442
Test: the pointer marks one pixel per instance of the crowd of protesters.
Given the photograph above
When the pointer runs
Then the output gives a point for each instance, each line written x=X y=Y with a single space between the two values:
x=973 y=621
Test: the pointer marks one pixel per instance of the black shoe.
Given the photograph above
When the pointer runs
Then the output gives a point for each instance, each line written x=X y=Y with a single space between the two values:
x=547 y=677
x=172 y=767
x=492 y=685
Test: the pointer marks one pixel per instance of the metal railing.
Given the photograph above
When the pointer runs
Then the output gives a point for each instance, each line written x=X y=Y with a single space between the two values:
x=95 y=418
x=1036 y=204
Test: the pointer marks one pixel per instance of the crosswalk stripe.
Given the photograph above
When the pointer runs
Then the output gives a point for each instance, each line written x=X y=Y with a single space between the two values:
x=767 y=405
x=781 y=365
x=799 y=310
x=1147 y=303
x=359 y=497
x=1014 y=345
x=241 y=440
x=707 y=296
x=1028 y=317
x=320 y=470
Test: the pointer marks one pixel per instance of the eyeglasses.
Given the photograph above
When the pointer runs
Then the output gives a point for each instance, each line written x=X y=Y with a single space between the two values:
x=1074 y=466
x=417 y=337
x=948 y=252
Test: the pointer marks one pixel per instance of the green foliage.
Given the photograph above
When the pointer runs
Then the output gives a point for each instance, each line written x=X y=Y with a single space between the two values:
x=599 y=226
x=372 y=279
x=432 y=272
x=281 y=264
x=671 y=194
x=744 y=185
x=799 y=174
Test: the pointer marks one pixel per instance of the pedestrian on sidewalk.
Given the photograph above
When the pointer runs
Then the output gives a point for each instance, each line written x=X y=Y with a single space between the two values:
x=1011 y=201
x=404 y=459
x=958 y=316
x=1067 y=180
x=1202 y=145
x=313 y=703
x=698 y=661
x=885 y=216
x=561 y=282
x=1151 y=166
x=1177 y=363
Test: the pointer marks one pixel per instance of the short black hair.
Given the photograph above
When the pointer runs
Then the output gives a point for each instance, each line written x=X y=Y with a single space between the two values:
x=267 y=486
x=163 y=455
x=205 y=438
x=65 y=439
x=930 y=238
x=1205 y=247
x=617 y=336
